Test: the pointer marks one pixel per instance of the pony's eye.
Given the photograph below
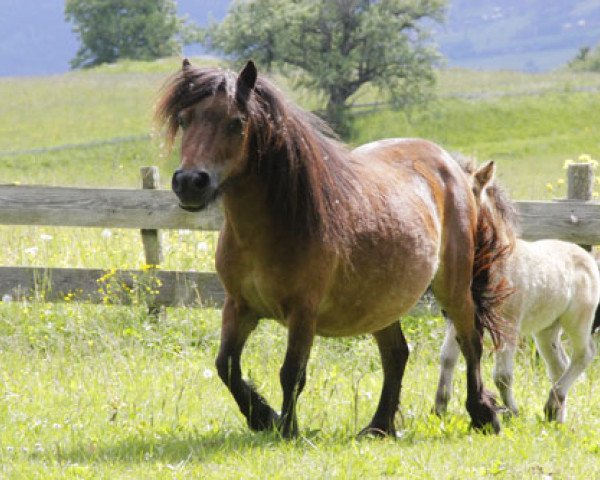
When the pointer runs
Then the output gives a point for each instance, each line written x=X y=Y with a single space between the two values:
x=235 y=126
x=182 y=120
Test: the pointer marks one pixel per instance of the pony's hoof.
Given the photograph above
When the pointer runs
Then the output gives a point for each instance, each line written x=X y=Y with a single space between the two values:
x=287 y=430
x=266 y=419
x=377 y=432
x=483 y=414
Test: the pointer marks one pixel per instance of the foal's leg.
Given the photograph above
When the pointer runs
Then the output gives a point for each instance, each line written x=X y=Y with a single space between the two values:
x=237 y=324
x=503 y=375
x=448 y=358
x=301 y=333
x=394 y=354
x=583 y=353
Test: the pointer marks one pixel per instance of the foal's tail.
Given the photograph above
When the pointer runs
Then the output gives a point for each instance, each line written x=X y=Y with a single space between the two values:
x=596 y=324
x=490 y=288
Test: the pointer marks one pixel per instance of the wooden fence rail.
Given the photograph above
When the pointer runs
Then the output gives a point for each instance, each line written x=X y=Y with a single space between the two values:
x=150 y=210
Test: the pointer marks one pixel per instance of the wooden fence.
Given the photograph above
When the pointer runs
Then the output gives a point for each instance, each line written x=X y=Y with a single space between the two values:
x=576 y=219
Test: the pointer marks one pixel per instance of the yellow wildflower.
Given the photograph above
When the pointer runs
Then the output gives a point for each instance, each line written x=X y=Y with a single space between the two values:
x=549 y=187
x=560 y=182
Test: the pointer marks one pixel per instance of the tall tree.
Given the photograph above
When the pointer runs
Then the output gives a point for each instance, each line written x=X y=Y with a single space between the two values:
x=113 y=29
x=338 y=45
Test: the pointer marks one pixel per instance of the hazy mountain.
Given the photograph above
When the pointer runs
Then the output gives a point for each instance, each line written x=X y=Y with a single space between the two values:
x=516 y=34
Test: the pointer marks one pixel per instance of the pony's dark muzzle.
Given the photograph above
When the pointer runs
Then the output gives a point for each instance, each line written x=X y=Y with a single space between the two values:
x=193 y=188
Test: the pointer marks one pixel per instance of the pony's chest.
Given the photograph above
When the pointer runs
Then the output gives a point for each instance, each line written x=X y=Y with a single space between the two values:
x=261 y=293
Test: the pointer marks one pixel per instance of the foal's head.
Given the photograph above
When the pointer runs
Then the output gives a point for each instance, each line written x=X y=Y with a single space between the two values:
x=209 y=107
x=491 y=198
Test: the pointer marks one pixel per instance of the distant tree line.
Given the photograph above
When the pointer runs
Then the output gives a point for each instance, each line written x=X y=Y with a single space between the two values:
x=587 y=59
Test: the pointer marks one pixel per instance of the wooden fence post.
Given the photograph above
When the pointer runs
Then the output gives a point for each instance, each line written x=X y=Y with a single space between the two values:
x=151 y=238
x=580 y=184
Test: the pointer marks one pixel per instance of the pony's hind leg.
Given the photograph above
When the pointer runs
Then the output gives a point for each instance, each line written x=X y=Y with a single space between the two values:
x=237 y=324
x=394 y=354
x=481 y=404
x=448 y=358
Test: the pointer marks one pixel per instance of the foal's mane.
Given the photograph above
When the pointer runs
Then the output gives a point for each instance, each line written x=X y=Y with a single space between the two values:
x=304 y=170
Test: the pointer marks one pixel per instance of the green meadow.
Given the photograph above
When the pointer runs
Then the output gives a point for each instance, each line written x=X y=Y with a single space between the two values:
x=107 y=392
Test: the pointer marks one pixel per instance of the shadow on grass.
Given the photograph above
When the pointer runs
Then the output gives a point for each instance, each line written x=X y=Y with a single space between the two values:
x=178 y=447
x=175 y=447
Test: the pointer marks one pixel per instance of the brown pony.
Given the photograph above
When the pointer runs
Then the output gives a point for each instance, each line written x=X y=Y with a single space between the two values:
x=325 y=240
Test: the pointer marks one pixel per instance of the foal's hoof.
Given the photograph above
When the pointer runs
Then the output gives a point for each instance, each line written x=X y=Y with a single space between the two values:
x=263 y=419
x=483 y=414
x=555 y=409
x=508 y=413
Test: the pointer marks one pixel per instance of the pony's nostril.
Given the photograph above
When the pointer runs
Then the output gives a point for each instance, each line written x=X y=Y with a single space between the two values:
x=176 y=181
x=201 y=180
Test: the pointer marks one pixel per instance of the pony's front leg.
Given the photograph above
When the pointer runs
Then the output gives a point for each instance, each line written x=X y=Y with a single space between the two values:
x=237 y=324
x=394 y=354
x=448 y=358
x=301 y=333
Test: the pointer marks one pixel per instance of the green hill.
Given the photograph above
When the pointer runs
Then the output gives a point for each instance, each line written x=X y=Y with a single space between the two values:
x=95 y=127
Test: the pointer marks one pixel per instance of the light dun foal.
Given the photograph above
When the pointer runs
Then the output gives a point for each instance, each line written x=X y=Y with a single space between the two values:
x=556 y=288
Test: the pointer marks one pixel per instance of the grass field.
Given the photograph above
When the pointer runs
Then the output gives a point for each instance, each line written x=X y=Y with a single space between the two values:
x=105 y=392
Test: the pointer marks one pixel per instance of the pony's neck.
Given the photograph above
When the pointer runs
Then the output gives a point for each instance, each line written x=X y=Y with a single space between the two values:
x=246 y=209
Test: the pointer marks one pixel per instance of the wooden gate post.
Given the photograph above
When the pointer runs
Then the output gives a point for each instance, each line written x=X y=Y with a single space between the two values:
x=580 y=184
x=152 y=238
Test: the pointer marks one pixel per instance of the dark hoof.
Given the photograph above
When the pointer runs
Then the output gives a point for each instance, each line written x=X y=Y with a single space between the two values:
x=287 y=430
x=264 y=419
x=377 y=432
x=483 y=414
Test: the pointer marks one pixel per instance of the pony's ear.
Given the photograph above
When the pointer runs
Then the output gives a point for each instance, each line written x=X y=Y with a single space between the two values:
x=245 y=82
x=485 y=174
x=186 y=64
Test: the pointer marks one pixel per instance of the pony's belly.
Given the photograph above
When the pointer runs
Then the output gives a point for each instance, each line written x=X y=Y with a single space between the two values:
x=367 y=307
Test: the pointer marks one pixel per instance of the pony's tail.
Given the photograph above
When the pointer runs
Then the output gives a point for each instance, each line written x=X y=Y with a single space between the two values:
x=489 y=287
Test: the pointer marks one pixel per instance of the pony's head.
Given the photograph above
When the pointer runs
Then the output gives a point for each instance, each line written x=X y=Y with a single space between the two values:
x=238 y=128
x=209 y=106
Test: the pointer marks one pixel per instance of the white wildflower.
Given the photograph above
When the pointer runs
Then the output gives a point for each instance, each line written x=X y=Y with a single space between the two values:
x=106 y=233
x=207 y=373
x=45 y=237
x=202 y=247
x=7 y=298
x=31 y=250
